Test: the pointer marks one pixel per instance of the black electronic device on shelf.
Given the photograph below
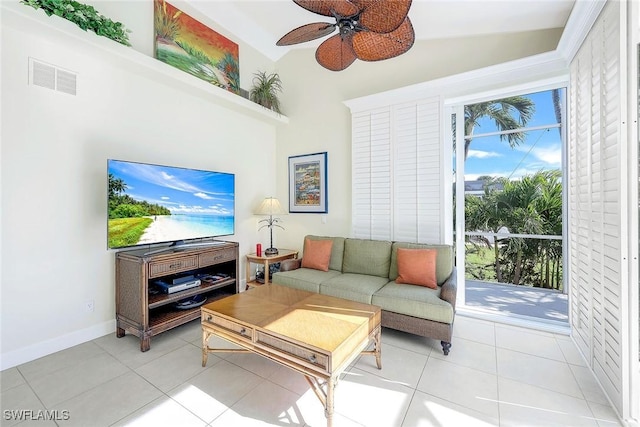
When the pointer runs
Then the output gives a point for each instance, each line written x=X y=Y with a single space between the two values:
x=169 y=287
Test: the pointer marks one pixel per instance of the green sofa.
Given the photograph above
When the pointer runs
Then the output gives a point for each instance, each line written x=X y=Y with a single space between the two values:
x=365 y=271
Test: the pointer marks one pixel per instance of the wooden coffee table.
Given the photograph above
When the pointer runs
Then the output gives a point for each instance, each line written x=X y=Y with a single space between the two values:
x=316 y=335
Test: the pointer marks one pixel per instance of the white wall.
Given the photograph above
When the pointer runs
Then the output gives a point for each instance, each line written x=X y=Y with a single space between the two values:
x=53 y=156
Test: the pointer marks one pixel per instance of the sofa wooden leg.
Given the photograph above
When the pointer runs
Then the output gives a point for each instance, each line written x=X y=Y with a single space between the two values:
x=446 y=346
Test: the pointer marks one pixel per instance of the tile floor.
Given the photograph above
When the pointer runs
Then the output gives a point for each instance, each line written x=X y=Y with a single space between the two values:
x=495 y=375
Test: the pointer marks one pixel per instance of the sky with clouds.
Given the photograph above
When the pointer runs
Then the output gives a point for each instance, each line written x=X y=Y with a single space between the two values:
x=182 y=191
x=542 y=149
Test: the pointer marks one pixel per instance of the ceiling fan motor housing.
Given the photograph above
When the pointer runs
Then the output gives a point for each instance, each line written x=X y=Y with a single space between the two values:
x=348 y=25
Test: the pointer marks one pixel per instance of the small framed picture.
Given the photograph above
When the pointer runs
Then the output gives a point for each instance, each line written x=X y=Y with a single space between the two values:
x=308 y=183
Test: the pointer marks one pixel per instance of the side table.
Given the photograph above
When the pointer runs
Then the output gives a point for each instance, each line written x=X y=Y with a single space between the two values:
x=266 y=260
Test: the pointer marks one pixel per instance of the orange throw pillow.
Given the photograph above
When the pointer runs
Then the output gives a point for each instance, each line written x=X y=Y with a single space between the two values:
x=317 y=254
x=417 y=267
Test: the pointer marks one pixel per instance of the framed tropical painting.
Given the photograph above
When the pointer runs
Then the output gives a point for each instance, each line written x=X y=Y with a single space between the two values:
x=308 y=183
x=191 y=46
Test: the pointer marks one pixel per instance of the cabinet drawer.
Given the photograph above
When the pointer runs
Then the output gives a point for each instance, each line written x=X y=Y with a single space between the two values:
x=237 y=329
x=301 y=353
x=216 y=257
x=163 y=268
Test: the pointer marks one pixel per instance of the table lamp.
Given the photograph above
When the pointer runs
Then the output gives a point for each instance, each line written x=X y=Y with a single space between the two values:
x=270 y=206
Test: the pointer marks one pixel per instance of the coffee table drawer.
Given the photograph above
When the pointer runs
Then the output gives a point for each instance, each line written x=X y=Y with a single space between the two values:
x=301 y=353
x=237 y=329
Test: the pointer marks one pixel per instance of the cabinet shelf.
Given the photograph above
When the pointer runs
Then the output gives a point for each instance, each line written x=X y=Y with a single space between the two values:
x=146 y=315
x=166 y=316
x=164 y=299
x=158 y=322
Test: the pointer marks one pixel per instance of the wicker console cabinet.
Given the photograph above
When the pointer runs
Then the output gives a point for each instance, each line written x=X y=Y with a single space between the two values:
x=144 y=313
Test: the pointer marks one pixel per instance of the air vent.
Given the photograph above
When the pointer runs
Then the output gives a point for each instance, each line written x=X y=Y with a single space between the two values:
x=43 y=75
x=52 y=77
x=66 y=82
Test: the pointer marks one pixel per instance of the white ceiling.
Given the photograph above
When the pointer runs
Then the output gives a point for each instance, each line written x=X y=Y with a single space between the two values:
x=261 y=23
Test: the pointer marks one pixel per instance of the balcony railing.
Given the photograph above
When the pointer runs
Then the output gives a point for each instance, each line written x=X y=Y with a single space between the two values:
x=518 y=259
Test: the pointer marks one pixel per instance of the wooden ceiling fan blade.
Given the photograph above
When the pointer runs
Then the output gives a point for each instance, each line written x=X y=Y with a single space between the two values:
x=336 y=53
x=382 y=16
x=306 y=33
x=370 y=46
x=327 y=7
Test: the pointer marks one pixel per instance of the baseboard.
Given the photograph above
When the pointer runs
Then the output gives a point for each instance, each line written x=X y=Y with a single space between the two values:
x=44 y=348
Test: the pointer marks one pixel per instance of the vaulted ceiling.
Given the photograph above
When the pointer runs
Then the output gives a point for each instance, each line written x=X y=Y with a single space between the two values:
x=261 y=23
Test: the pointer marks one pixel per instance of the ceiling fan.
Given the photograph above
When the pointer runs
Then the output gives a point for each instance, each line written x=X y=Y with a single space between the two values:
x=369 y=30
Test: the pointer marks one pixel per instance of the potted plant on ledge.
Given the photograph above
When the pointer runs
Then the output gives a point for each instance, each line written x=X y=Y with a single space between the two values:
x=265 y=90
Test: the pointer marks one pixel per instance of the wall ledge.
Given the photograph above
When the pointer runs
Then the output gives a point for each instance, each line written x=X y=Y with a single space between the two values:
x=26 y=19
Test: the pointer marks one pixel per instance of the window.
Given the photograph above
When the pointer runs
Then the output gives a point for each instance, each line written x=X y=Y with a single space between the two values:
x=513 y=199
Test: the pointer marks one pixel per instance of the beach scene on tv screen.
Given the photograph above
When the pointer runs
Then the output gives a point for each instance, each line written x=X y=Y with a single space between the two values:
x=152 y=204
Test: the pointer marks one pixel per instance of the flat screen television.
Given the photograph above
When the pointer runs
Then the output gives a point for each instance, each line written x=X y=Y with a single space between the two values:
x=150 y=204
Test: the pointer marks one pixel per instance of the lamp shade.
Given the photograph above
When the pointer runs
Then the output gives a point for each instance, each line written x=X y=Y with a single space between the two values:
x=270 y=206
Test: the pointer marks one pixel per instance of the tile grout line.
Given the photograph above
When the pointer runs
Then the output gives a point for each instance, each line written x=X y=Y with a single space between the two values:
x=573 y=374
x=495 y=349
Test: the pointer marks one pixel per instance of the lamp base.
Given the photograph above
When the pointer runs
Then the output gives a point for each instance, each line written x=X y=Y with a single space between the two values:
x=271 y=251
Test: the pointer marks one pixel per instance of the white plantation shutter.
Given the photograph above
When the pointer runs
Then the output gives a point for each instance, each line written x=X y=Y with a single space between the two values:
x=360 y=171
x=397 y=172
x=596 y=159
x=417 y=184
x=432 y=194
x=371 y=175
x=407 y=166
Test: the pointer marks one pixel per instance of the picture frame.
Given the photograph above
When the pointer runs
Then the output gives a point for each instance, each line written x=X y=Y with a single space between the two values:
x=308 y=183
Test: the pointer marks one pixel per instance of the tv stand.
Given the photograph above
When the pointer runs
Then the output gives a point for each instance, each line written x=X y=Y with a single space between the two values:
x=146 y=314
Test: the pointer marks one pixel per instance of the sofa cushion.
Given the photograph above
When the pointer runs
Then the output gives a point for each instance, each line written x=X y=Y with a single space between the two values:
x=303 y=278
x=317 y=254
x=444 y=259
x=370 y=257
x=417 y=267
x=354 y=287
x=337 y=250
x=416 y=301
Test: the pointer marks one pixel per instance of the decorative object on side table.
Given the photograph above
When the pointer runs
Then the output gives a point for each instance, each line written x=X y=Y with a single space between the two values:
x=191 y=46
x=308 y=183
x=270 y=206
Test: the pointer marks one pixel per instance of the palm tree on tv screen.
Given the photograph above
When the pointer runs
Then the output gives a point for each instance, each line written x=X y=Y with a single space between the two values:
x=116 y=186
